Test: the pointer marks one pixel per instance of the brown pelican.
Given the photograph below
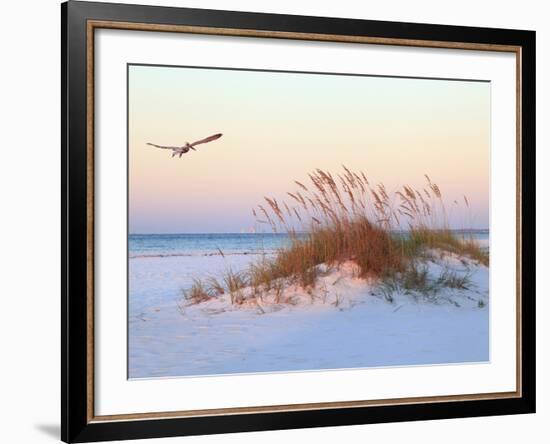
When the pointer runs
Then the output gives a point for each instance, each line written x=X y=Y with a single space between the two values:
x=179 y=150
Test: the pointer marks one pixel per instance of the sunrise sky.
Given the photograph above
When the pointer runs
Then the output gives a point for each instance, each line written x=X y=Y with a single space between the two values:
x=277 y=127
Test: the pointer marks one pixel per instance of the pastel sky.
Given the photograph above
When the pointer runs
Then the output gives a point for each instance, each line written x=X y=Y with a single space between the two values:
x=277 y=127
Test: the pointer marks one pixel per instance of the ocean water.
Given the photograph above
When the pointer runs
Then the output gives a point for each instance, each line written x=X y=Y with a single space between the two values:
x=209 y=244
x=213 y=244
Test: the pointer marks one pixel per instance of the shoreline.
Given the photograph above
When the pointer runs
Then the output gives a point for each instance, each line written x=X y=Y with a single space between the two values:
x=259 y=251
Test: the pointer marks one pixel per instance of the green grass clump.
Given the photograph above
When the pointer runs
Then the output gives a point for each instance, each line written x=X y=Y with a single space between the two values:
x=418 y=239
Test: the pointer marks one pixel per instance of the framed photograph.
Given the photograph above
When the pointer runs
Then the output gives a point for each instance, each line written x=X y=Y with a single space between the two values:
x=275 y=221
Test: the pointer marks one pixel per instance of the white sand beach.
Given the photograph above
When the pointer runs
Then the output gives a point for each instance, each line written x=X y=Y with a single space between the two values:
x=346 y=322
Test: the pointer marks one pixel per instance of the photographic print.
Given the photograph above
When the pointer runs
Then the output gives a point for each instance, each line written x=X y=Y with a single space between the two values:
x=303 y=221
x=276 y=222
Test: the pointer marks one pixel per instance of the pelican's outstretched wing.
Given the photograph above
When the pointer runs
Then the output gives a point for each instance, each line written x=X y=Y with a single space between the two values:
x=206 y=140
x=164 y=147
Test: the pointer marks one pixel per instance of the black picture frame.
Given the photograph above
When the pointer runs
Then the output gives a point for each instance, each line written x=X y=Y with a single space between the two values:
x=76 y=423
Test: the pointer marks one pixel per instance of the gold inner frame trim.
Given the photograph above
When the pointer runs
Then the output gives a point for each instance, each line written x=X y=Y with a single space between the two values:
x=96 y=24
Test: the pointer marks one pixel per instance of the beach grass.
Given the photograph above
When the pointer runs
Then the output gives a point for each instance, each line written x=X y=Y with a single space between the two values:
x=338 y=218
x=199 y=292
